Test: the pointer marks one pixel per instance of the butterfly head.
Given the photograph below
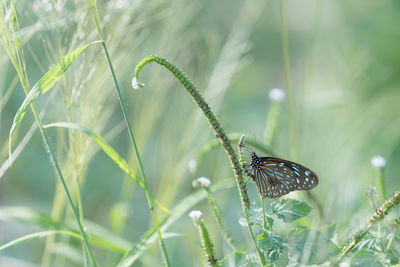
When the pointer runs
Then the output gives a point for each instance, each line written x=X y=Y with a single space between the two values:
x=255 y=161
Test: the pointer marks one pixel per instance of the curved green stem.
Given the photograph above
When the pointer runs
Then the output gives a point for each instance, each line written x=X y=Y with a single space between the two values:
x=219 y=132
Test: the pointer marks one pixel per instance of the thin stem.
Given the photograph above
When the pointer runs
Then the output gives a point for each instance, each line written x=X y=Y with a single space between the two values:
x=381 y=184
x=218 y=217
x=289 y=89
x=396 y=227
x=272 y=123
x=290 y=97
x=60 y=175
x=218 y=130
x=263 y=212
x=92 y=6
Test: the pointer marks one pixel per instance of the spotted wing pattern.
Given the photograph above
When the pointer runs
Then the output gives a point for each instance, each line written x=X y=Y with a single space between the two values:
x=276 y=177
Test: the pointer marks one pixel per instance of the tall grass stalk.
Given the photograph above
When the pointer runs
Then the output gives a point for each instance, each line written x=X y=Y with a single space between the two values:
x=381 y=183
x=95 y=15
x=288 y=79
x=218 y=216
x=290 y=97
x=13 y=45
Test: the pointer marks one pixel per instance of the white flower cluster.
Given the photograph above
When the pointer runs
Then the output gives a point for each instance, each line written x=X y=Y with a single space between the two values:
x=277 y=95
x=378 y=162
x=201 y=182
x=135 y=84
x=195 y=214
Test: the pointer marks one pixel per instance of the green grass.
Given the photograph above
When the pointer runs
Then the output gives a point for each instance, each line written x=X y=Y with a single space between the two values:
x=124 y=155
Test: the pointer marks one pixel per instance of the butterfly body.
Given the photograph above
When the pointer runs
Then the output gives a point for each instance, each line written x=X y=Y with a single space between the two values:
x=275 y=177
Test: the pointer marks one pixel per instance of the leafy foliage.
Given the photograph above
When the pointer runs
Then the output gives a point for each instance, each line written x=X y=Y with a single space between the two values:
x=240 y=259
x=311 y=246
x=290 y=210
x=274 y=247
x=368 y=258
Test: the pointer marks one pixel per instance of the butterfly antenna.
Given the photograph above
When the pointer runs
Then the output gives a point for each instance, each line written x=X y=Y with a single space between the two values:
x=246 y=147
x=255 y=142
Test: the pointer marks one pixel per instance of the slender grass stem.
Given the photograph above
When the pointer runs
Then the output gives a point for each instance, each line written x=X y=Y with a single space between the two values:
x=290 y=97
x=218 y=217
x=218 y=130
x=381 y=184
x=263 y=212
x=93 y=9
x=272 y=123
x=389 y=245
x=288 y=78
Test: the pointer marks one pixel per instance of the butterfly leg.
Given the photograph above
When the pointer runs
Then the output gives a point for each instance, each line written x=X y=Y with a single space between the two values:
x=249 y=173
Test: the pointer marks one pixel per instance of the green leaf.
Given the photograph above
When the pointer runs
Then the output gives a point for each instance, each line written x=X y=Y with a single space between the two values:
x=240 y=259
x=109 y=151
x=370 y=242
x=45 y=84
x=257 y=217
x=103 y=145
x=312 y=246
x=274 y=248
x=98 y=235
x=290 y=210
x=35 y=236
x=368 y=258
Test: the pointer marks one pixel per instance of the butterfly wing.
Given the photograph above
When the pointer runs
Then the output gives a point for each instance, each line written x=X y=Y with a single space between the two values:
x=276 y=177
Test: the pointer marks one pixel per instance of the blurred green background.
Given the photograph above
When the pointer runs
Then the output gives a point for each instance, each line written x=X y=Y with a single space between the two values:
x=345 y=67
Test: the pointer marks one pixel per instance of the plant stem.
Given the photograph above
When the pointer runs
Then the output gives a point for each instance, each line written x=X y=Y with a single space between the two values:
x=289 y=89
x=218 y=217
x=93 y=8
x=290 y=97
x=381 y=184
x=263 y=212
x=272 y=123
x=206 y=243
x=218 y=130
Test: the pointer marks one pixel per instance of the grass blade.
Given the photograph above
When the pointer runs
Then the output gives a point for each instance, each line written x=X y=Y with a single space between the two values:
x=45 y=84
x=35 y=236
x=109 y=151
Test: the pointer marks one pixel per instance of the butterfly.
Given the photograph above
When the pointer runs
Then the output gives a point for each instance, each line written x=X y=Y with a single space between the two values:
x=277 y=177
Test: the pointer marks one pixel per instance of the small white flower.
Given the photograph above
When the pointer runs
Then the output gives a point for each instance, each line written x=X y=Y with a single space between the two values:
x=276 y=94
x=378 y=162
x=204 y=181
x=135 y=84
x=192 y=165
x=195 y=214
